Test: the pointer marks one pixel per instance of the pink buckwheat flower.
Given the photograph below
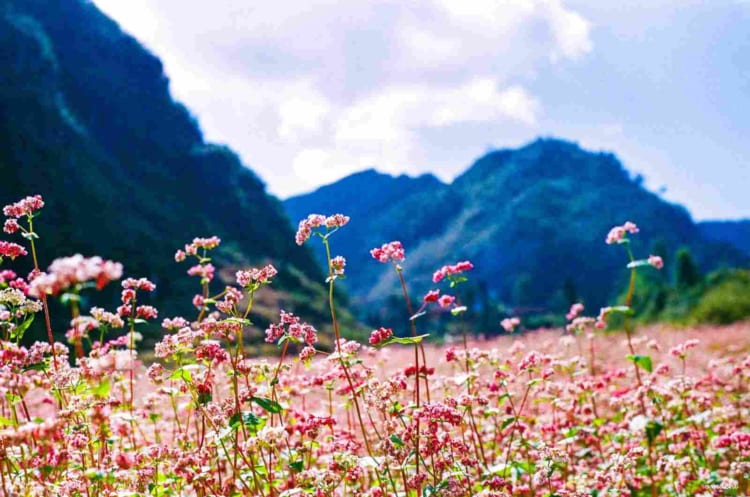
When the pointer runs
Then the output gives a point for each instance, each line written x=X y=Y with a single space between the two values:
x=107 y=318
x=307 y=353
x=337 y=265
x=11 y=250
x=680 y=350
x=207 y=243
x=618 y=233
x=392 y=251
x=314 y=221
x=575 y=310
x=450 y=270
x=7 y=275
x=262 y=276
x=580 y=323
x=139 y=284
x=336 y=221
x=24 y=207
x=510 y=324
x=205 y=271
x=198 y=301
x=380 y=335
x=69 y=271
x=298 y=331
x=11 y=226
x=601 y=319
x=431 y=296
x=146 y=312
x=446 y=300
x=656 y=261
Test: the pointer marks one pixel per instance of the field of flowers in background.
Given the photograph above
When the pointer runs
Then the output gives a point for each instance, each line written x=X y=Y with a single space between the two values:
x=584 y=411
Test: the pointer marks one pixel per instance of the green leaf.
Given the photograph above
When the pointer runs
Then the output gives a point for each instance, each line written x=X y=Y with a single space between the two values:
x=417 y=315
x=204 y=398
x=458 y=310
x=16 y=333
x=40 y=366
x=639 y=263
x=102 y=390
x=404 y=340
x=622 y=309
x=507 y=422
x=396 y=440
x=642 y=361
x=244 y=322
x=68 y=297
x=653 y=428
x=6 y=422
x=182 y=374
x=248 y=419
x=297 y=466
x=268 y=405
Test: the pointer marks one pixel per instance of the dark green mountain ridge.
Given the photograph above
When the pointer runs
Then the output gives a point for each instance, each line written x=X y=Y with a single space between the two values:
x=735 y=233
x=533 y=220
x=87 y=120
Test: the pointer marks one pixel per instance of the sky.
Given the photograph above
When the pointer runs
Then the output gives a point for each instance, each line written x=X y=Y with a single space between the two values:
x=309 y=92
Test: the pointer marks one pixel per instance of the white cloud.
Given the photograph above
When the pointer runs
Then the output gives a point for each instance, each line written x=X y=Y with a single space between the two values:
x=383 y=129
x=302 y=113
x=308 y=92
x=316 y=166
x=571 y=31
x=392 y=115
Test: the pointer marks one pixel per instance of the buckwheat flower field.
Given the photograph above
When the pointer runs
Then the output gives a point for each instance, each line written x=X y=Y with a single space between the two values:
x=577 y=412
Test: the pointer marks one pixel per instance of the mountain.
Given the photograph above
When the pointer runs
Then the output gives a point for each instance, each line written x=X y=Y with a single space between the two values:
x=87 y=121
x=532 y=220
x=736 y=233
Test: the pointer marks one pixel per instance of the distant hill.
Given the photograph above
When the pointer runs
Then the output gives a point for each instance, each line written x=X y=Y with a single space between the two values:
x=87 y=120
x=533 y=220
x=736 y=233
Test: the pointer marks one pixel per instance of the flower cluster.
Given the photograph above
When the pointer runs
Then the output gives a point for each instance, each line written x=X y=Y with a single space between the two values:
x=389 y=252
x=451 y=270
x=510 y=324
x=109 y=319
x=338 y=264
x=204 y=271
x=380 y=335
x=620 y=233
x=639 y=413
x=11 y=250
x=198 y=244
x=292 y=328
x=130 y=307
x=315 y=221
x=16 y=304
x=575 y=310
x=75 y=270
x=255 y=276
x=11 y=225
x=24 y=207
x=656 y=261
